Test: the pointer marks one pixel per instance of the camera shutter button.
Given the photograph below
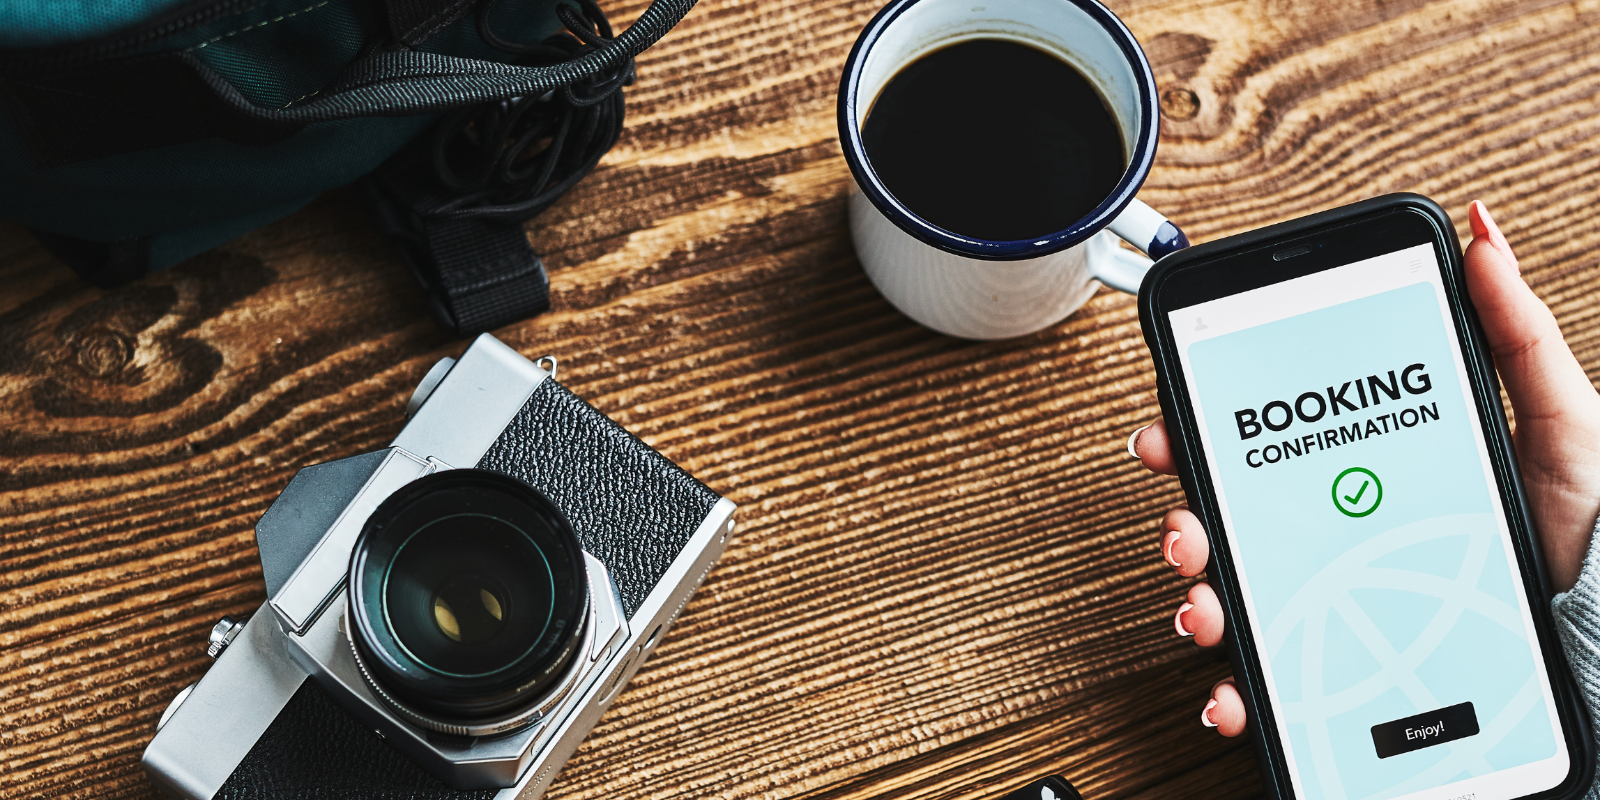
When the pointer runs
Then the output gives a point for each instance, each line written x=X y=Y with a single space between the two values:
x=223 y=633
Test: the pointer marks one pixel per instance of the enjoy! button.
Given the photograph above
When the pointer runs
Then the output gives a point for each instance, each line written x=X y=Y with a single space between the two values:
x=1425 y=730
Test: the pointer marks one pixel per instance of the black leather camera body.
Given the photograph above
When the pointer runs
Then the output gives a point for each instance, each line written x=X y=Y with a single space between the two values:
x=466 y=602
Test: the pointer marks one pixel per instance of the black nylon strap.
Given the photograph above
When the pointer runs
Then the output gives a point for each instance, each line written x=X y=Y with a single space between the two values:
x=479 y=274
x=484 y=275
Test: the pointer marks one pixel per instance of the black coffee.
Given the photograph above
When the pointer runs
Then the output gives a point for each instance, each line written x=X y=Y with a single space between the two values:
x=994 y=140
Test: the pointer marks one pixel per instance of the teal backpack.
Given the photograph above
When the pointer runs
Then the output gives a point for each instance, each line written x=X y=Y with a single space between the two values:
x=137 y=133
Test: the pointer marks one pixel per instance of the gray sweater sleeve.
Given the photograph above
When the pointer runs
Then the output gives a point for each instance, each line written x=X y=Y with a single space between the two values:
x=1577 y=613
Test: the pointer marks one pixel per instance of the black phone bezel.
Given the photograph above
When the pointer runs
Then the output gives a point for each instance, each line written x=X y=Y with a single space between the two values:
x=1334 y=238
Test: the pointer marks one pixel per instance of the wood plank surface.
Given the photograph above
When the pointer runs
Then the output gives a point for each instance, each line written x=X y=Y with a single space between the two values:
x=946 y=580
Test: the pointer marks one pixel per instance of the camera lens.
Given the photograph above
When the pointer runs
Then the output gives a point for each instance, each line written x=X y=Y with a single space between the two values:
x=467 y=594
x=452 y=588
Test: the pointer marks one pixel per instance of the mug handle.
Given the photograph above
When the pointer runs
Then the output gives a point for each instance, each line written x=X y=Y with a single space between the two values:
x=1144 y=228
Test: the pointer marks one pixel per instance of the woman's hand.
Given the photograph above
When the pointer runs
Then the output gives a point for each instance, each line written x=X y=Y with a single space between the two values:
x=1557 y=438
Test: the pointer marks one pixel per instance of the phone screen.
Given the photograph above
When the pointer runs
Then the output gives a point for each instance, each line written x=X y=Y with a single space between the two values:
x=1369 y=536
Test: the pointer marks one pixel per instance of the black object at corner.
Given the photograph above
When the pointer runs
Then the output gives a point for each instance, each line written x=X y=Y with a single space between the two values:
x=1051 y=788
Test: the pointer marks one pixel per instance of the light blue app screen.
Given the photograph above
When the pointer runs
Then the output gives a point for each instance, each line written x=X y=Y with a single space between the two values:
x=1374 y=562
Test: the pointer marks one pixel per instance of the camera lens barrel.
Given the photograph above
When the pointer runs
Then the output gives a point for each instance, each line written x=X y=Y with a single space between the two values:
x=467 y=596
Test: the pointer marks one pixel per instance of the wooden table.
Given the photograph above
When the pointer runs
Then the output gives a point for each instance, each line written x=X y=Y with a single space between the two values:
x=946 y=581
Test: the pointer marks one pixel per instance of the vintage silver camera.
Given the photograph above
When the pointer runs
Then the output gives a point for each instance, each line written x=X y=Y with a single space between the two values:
x=466 y=602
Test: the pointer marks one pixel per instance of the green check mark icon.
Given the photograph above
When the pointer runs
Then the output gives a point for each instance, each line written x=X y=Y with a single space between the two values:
x=1359 y=492
x=1351 y=505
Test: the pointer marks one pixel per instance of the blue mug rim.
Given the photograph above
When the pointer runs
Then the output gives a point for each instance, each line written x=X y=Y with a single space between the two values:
x=1143 y=156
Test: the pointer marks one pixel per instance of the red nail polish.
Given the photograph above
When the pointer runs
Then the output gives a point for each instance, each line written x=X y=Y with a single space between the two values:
x=1475 y=214
x=1480 y=217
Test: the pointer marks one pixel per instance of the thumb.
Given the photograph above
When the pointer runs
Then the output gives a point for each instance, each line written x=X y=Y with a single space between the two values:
x=1543 y=379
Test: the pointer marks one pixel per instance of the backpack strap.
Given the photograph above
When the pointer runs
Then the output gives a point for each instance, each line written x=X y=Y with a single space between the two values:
x=485 y=275
x=479 y=275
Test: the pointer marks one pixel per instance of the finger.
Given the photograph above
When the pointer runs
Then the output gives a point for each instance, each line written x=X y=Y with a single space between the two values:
x=1557 y=440
x=1183 y=542
x=1542 y=377
x=1200 y=617
x=1225 y=710
x=1150 y=445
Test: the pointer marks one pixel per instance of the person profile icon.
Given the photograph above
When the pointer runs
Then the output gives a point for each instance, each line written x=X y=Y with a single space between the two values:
x=1199 y=324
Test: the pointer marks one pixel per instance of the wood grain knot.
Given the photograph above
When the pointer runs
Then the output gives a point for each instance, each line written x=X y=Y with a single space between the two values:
x=1180 y=103
x=127 y=352
x=103 y=352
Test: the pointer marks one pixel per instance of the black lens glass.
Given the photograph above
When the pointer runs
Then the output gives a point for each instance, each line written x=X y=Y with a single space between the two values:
x=469 y=594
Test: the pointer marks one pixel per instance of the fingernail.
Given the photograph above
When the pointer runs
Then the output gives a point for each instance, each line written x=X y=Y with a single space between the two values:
x=1177 y=621
x=1133 y=442
x=1476 y=213
x=1205 y=718
x=1483 y=224
x=1171 y=539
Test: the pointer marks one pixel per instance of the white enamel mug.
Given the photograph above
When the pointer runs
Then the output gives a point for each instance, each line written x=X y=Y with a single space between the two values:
x=982 y=289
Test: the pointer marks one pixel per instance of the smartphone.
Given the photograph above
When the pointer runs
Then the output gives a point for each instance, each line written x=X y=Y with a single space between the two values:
x=1337 y=425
